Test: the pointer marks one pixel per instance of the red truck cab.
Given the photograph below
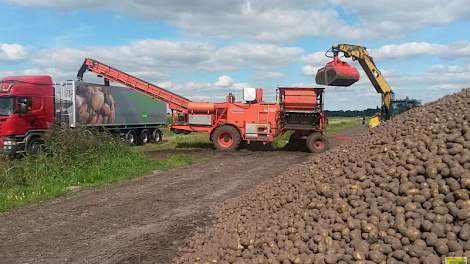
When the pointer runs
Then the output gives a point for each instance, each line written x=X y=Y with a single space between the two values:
x=26 y=112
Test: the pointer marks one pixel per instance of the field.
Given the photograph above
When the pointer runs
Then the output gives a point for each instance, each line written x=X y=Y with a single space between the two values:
x=131 y=220
x=90 y=163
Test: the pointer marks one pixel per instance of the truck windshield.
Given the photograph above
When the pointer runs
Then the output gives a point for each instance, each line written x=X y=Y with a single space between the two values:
x=7 y=106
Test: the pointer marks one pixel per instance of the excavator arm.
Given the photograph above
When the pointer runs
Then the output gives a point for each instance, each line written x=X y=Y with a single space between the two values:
x=175 y=102
x=367 y=63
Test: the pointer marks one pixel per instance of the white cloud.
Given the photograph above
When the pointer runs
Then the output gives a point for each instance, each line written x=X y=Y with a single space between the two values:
x=208 y=91
x=310 y=70
x=403 y=16
x=224 y=81
x=154 y=59
x=412 y=49
x=251 y=55
x=273 y=75
x=11 y=53
x=278 y=20
x=166 y=84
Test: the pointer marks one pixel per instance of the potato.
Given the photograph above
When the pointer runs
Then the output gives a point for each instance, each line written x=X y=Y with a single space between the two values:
x=99 y=119
x=106 y=109
x=97 y=101
x=109 y=99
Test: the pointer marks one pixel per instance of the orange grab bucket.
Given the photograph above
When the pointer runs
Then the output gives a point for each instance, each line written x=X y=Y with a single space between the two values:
x=337 y=73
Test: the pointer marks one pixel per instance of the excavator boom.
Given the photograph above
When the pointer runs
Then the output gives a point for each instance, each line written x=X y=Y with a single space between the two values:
x=175 y=102
x=360 y=54
x=367 y=63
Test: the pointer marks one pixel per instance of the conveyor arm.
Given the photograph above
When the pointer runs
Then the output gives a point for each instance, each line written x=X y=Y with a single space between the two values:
x=175 y=102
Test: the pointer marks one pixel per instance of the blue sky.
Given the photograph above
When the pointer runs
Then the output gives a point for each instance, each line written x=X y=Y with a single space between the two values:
x=205 y=49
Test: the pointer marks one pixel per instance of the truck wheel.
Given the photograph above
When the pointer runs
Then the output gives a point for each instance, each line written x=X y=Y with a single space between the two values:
x=226 y=138
x=131 y=137
x=35 y=146
x=144 y=137
x=157 y=136
x=317 y=143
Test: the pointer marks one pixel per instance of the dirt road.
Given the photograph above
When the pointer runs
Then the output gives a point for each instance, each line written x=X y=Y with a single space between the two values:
x=139 y=221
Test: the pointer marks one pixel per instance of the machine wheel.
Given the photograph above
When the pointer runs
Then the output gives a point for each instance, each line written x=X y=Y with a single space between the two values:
x=131 y=137
x=157 y=136
x=317 y=143
x=35 y=146
x=144 y=137
x=226 y=138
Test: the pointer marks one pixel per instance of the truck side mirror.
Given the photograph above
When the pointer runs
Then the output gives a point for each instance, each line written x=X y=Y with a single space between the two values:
x=23 y=108
x=24 y=105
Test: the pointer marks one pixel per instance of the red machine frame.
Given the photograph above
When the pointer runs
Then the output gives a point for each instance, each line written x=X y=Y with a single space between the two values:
x=231 y=122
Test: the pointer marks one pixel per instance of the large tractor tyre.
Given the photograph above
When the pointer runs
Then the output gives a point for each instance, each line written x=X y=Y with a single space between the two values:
x=131 y=137
x=226 y=138
x=317 y=143
x=144 y=137
x=35 y=146
x=157 y=136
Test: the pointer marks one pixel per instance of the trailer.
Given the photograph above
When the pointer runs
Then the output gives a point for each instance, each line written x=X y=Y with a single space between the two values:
x=32 y=105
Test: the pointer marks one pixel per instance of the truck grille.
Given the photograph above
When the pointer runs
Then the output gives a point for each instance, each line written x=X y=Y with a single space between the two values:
x=1 y=123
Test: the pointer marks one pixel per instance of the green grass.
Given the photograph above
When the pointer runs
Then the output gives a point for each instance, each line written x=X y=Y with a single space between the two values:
x=76 y=158
x=181 y=141
x=338 y=124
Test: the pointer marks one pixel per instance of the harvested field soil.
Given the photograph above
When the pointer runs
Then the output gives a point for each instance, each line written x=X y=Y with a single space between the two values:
x=399 y=194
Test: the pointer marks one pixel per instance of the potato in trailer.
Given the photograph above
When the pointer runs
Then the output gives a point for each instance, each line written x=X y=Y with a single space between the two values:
x=135 y=116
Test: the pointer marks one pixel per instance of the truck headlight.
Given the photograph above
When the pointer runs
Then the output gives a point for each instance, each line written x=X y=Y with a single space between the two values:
x=9 y=142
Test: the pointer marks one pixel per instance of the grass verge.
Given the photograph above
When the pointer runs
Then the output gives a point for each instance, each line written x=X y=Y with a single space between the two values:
x=338 y=124
x=180 y=141
x=75 y=157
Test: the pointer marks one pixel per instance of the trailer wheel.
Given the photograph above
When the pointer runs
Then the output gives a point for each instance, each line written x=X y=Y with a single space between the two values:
x=317 y=143
x=131 y=137
x=226 y=138
x=35 y=146
x=144 y=137
x=157 y=136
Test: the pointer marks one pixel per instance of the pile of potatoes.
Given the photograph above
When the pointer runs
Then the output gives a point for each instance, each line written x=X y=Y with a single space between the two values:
x=396 y=194
x=95 y=105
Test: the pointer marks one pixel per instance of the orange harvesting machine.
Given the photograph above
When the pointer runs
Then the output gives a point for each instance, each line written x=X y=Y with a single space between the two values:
x=230 y=123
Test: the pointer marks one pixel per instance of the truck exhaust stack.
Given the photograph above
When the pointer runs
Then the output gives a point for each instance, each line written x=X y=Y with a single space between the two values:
x=337 y=73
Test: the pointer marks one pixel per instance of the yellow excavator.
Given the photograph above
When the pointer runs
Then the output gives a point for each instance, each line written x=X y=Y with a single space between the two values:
x=339 y=73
